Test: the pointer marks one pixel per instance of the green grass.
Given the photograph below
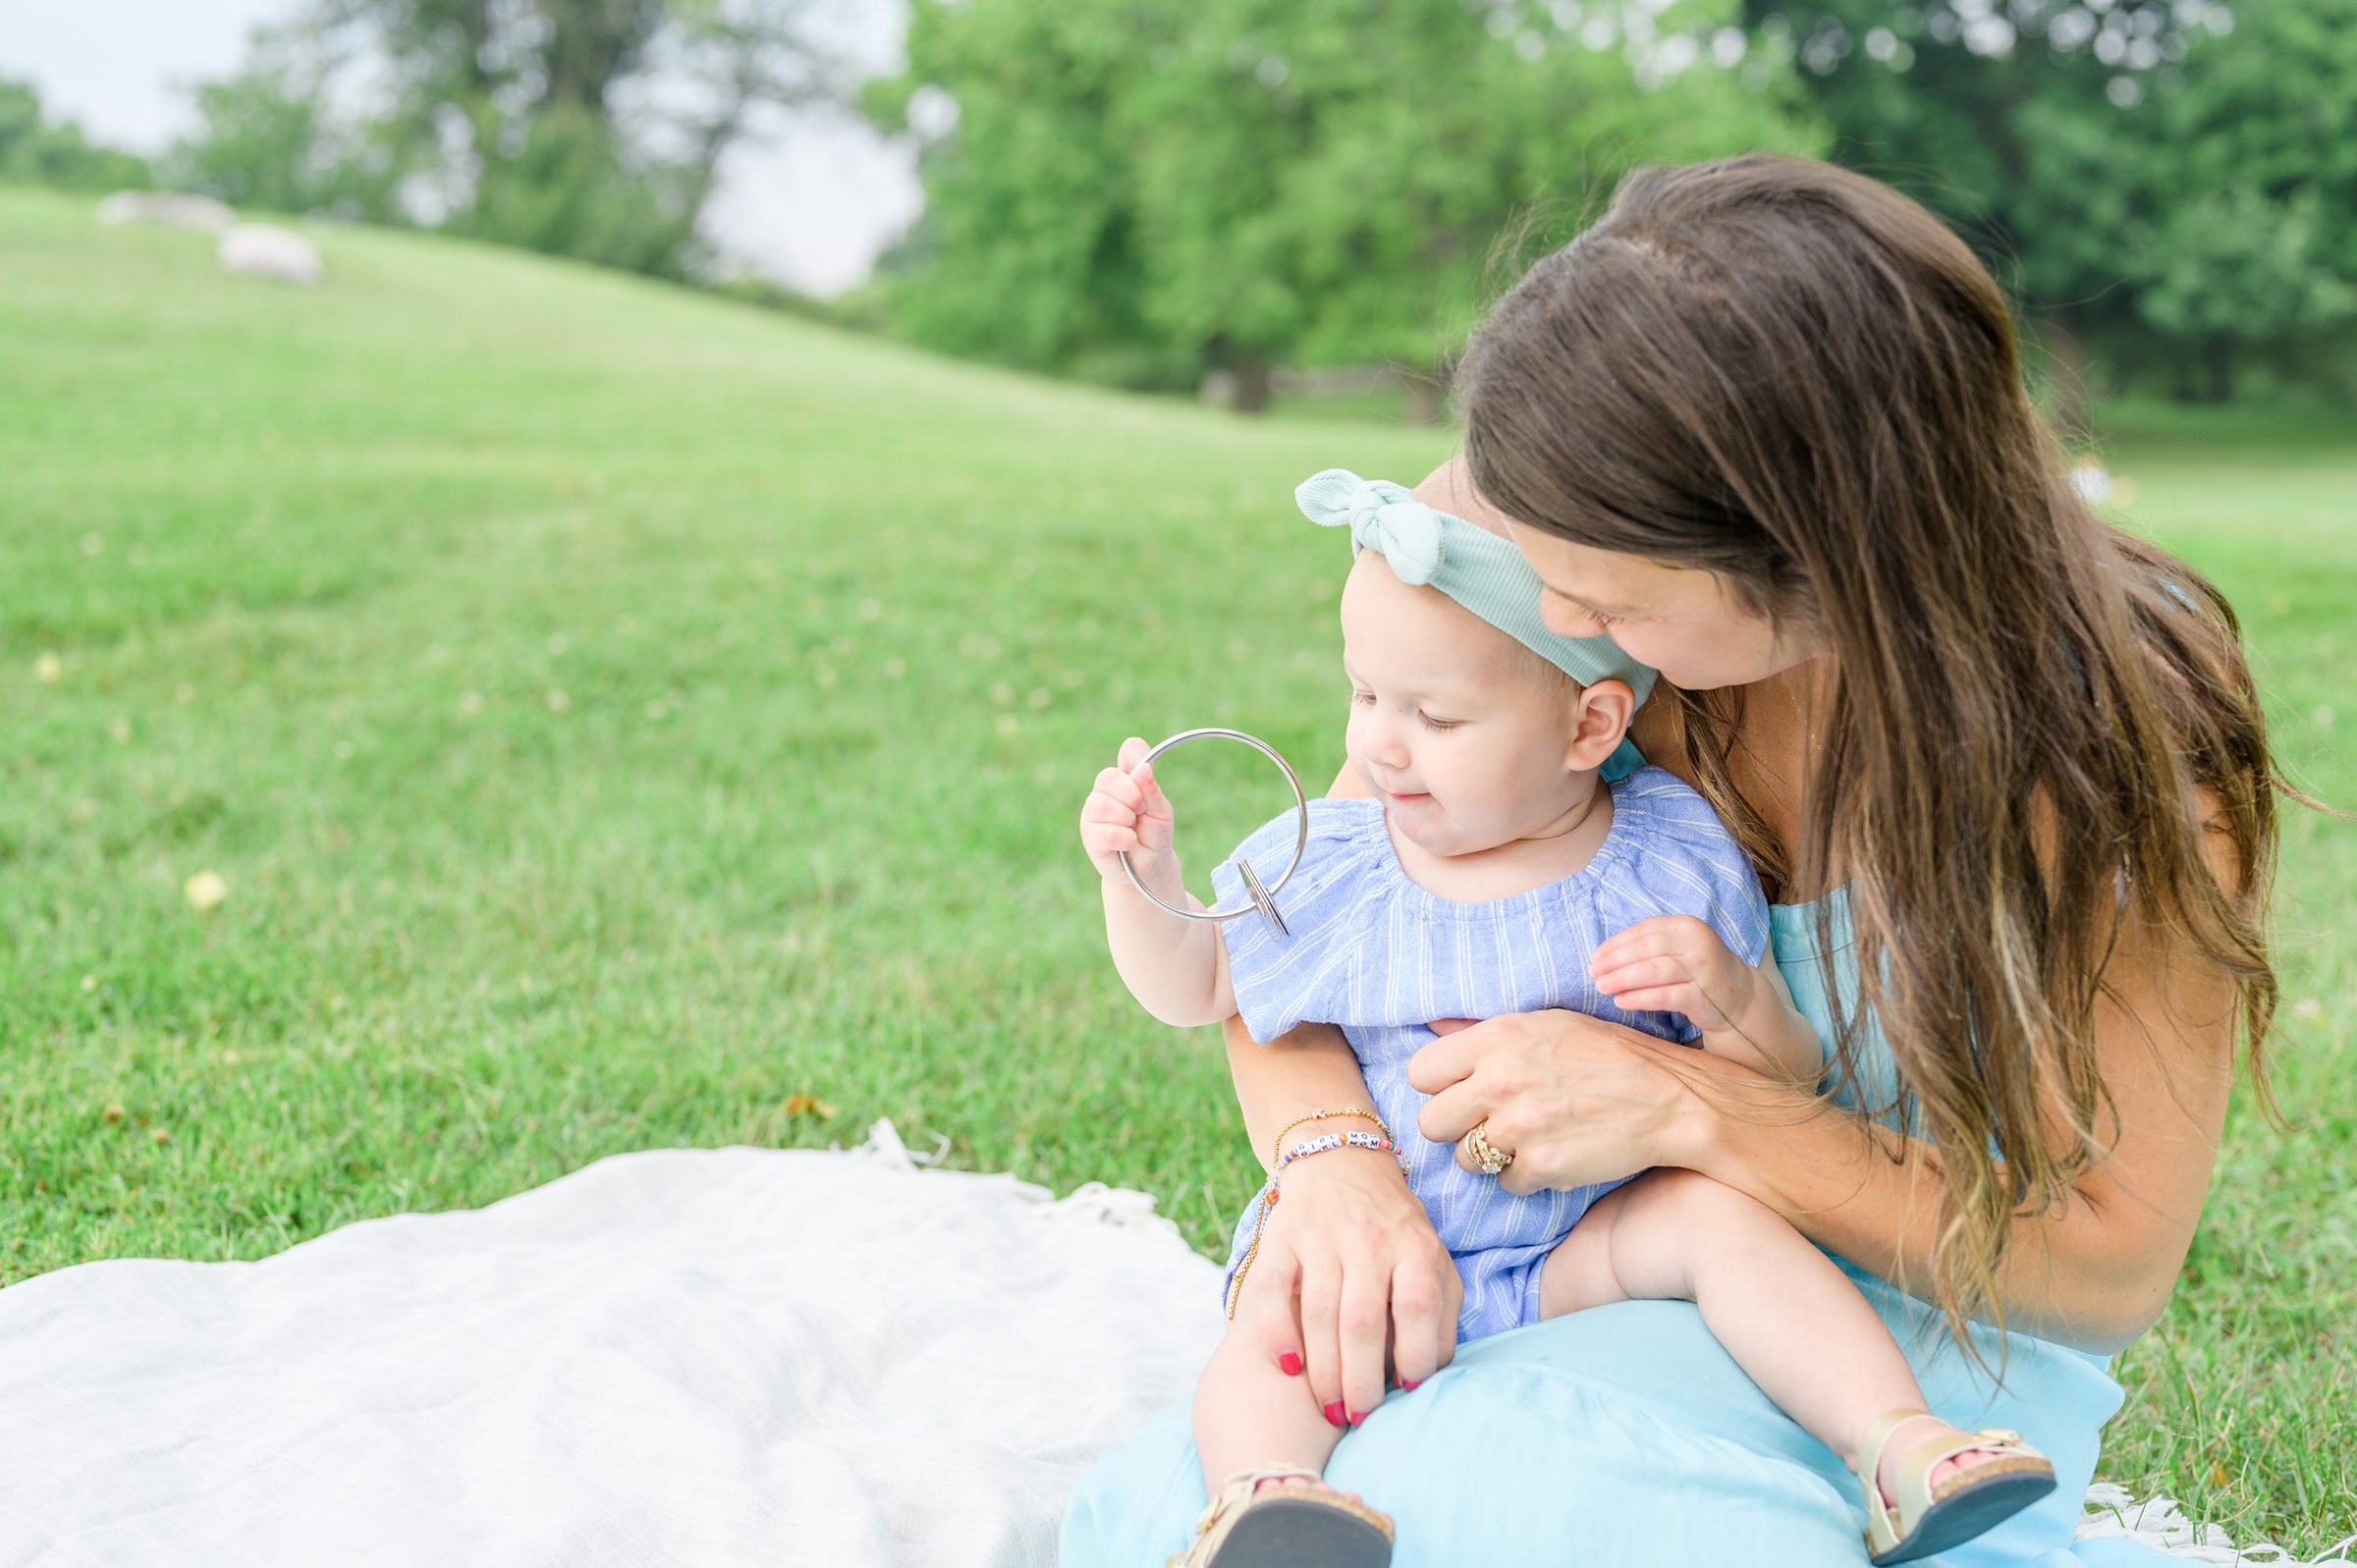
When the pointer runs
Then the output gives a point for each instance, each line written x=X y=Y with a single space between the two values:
x=627 y=719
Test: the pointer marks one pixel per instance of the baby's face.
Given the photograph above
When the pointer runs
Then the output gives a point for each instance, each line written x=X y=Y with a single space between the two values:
x=1465 y=736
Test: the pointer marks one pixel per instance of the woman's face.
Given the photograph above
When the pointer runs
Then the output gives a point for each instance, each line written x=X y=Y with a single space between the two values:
x=1681 y=621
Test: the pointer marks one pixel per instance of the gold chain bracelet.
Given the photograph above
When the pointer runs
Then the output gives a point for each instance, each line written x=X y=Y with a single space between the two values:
x=1277 y=1144
x=1268 y=1192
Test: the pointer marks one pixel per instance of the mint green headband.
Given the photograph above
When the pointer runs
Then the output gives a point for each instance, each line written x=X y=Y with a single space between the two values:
x=1475 y=568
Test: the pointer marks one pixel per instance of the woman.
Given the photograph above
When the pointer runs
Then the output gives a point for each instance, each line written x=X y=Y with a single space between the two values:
x=2002 y=769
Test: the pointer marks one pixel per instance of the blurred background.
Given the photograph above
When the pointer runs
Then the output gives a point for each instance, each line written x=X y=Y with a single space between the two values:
x=1261 y=200
x=571 y=601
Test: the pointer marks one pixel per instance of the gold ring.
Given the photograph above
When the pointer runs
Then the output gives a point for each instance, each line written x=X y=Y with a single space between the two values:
x=1487 y=1157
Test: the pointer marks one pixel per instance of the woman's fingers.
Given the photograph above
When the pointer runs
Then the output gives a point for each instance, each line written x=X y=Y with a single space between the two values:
x=1320 y=1291
x=1448 y=1058
x=1453 y=1113
x=1421 y=1339
x=1364 y=1323
x=1266 y=1306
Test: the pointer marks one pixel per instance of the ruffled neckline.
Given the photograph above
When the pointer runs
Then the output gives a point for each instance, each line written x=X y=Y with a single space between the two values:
x=1628 y=809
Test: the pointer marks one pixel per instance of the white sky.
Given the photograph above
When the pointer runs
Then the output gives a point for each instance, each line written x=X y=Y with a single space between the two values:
x=812 y=205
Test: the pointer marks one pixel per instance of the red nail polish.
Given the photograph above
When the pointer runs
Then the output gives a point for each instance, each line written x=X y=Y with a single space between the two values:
x=1411 y=1387
x=1334 y=1414
x=1290 y=1364
x=1357 y=1416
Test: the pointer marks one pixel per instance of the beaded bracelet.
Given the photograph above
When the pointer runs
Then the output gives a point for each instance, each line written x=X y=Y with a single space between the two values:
x=1277 y=1144
x=1326 y=1143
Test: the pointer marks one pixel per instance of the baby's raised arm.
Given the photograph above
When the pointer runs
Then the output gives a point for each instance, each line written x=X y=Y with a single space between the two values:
x=1677 y=964
x=1175 y=968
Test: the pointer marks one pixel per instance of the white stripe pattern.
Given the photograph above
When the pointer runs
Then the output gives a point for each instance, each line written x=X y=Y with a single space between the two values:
x=1380 y=956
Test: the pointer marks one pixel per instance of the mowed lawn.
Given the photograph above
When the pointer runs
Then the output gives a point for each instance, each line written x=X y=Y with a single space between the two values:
x=623 y=719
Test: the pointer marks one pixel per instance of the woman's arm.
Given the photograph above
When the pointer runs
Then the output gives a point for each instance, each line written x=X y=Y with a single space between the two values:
x=2095 y=1271
x=1348 y=1260
x=1578 y=1101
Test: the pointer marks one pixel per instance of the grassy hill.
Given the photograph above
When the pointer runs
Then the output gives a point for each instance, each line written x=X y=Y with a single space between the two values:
x=621 y=718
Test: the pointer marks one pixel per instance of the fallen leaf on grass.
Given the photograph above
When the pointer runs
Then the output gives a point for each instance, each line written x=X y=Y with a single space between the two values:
x=808 y=1105
x=205 y=890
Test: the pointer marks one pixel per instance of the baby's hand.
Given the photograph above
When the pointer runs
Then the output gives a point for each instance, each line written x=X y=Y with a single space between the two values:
x=1127 y=810
x=1677 y=964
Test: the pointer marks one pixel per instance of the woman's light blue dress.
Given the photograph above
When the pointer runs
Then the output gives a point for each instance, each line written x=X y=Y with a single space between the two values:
x=1624 y=1437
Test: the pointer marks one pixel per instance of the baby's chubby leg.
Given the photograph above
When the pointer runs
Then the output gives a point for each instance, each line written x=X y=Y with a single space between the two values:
x=1788 y=1315
x=1249 y=1414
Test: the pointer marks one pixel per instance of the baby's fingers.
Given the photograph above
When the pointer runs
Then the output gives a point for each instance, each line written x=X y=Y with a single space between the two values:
x=1117 y=785
x=1659 y=998
x=1103 y=806
x=1647 y=939
x=1635 y=973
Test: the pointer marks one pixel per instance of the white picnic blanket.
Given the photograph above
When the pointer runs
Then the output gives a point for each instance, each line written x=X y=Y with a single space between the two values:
x=719 y=1358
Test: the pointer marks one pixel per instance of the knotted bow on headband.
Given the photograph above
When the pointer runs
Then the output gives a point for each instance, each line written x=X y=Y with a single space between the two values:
x=1475 y=568
x=1381 y=515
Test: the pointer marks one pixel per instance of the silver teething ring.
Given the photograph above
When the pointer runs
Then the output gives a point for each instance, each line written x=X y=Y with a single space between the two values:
x=1263 y=899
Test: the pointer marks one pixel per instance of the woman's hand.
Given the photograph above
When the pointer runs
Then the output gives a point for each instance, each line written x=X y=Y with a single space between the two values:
x=1349 y=1264
x=1574 y=1100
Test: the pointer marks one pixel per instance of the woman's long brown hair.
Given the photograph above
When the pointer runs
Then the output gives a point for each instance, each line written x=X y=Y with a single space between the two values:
x=1797 y=378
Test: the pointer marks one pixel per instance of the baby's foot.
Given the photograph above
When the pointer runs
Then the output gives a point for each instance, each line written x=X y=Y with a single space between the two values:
x=1918 y=1431
x=1286 y=1514
x=1298 y=1481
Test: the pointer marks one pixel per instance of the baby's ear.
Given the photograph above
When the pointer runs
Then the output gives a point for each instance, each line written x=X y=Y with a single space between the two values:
x=1604 y=709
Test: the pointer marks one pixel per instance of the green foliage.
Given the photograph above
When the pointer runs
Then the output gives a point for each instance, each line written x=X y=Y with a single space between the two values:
x=37 y=152
x=1171 y=185
x=2244 y=247
x=526 y=125
x=2169 y=183
x=271 y=140
x=568 y=191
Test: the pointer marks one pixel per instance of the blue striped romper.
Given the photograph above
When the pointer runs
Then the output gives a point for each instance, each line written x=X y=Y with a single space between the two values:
x=1380 y=956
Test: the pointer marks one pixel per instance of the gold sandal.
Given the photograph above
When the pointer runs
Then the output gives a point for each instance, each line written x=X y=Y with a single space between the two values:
x=1303 y=1522
x=1924 y=1518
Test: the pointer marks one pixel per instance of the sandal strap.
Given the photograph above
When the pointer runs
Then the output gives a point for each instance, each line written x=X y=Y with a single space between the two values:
x=1241 y=1487
x=1879 y=1432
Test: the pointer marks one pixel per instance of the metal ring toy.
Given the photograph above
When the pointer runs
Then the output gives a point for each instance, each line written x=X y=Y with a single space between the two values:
x=1263 y=899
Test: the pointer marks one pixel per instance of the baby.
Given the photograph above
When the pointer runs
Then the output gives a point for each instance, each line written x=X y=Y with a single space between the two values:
x=1492 y=870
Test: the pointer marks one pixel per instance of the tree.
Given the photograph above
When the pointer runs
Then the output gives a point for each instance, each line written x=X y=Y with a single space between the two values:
x=1162 y=187
x=2165 y=184
x=271 y=140
x=36 y=150
x=592 y=128
x=2242 y=246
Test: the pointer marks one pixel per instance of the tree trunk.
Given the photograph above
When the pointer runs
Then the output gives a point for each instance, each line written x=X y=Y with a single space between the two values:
x=2218 y=367
x=2068 y=354
x=1423 y=399
x=1251 y=385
